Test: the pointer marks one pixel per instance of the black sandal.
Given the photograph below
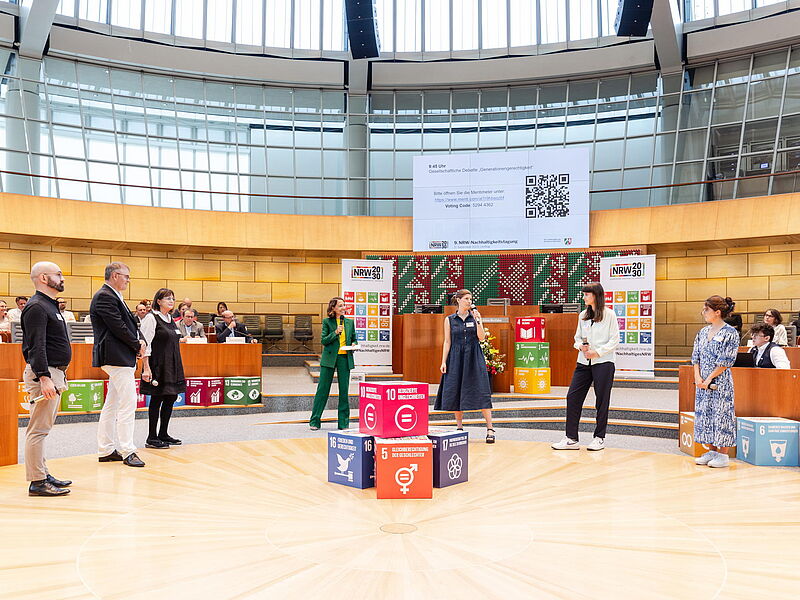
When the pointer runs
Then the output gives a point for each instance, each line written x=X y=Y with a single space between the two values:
x=489 y=436
x=459 y=429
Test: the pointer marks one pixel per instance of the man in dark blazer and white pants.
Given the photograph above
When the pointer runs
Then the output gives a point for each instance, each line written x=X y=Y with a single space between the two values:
x=117 y=345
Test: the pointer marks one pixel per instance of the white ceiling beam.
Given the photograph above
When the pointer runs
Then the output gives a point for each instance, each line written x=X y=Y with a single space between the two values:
x=667 y=26
x=35 y=20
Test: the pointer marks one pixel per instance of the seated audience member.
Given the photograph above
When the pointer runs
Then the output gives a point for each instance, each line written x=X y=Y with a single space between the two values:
x=87 y=318
x=141 y=312
x=773 y=318
x=734 y=319
x=221 y=308
x=69 y=316
x=5 y=322
x=189 y=327
x=178 y=313
x=15 y=314
x=230 y=328
x=766 y=353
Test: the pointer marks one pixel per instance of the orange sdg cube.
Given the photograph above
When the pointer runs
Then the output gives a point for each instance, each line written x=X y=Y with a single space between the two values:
x=686 y=441
x=404 y=467
x=23 y=400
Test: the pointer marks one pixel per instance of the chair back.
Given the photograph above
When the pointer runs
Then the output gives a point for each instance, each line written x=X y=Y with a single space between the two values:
x=79 y=331
x=16 y=332
x=302 y=327
x=273 y=326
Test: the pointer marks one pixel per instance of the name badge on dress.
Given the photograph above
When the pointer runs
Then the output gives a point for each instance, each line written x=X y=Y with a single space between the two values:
x=470 y=324
x=177 y=332
x=717 y=338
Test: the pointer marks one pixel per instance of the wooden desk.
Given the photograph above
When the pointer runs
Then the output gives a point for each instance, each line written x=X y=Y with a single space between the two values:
x=418 y=339
x=757 y=392
x=9 y=421
x=199 y=360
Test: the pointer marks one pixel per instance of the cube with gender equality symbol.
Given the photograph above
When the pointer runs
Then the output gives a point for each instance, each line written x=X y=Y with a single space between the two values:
x=404 y=467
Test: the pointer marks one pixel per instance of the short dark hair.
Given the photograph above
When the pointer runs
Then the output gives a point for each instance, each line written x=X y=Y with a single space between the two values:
x=112 y=267
x=18 y=298
x=160 y=295
x=595 y=314
x=190 y=310
x=764 y=329
x=776 y=314
x=332 y=304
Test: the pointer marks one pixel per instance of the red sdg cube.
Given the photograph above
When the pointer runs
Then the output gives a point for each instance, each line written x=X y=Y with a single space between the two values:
x=393 y=409
x=140 y=400
x=204 y=391
x=404 y=467
x=530 y=329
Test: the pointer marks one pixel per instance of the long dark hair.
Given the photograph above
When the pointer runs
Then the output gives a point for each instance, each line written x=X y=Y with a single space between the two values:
x=332 y=304
x=599 y=302
x=221 y=304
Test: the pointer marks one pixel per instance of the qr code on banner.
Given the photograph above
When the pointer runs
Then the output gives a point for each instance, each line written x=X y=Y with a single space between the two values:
x=546 y=196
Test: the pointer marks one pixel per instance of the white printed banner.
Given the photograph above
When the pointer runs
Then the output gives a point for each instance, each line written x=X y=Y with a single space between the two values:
x=629 y=283
x=502 y=200
x=367 y=292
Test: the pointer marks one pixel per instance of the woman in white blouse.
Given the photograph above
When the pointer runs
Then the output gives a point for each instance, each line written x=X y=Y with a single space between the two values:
x=596 y=339
x=773 y=318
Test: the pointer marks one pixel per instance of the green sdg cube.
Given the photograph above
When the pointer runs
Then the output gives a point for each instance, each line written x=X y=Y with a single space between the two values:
x=242 y=390
x=82 y=395
x=532 y=355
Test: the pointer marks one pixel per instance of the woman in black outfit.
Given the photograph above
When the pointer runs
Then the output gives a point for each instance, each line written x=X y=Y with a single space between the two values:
x=465 y=381
x=162 y=369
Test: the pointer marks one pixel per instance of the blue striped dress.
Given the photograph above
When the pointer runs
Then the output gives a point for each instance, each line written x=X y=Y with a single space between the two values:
x=714 y=416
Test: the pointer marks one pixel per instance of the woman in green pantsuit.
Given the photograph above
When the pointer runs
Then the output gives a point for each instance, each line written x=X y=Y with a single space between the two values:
x=337 y=331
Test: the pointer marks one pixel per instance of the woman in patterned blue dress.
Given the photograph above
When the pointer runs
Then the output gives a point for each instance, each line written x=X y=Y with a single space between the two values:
x=714 y=353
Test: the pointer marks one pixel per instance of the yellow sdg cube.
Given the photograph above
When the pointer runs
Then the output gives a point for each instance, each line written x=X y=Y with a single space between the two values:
x=531 y=381
x=23 y=400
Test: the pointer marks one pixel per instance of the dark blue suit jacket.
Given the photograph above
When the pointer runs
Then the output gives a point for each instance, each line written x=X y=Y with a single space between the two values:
x=116 y=335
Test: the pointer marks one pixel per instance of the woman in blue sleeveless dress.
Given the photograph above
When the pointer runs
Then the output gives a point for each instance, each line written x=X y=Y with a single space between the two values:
x=465 y=381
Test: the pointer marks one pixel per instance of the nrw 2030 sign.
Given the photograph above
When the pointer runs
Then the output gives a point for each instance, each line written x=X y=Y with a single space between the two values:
x=367 y=292
x=629 y=283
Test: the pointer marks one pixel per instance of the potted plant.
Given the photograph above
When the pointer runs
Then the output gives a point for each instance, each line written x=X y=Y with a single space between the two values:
x=495 y=362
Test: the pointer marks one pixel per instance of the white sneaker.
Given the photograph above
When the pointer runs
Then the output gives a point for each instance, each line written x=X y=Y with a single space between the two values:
x=719 y=461
x=566 y=444
x=705 y=458
x=597 y=444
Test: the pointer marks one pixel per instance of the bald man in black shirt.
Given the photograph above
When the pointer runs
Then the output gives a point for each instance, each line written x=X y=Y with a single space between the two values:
x=45 y=346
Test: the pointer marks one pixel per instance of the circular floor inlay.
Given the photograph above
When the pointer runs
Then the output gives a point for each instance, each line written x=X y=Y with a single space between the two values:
x=398 y=528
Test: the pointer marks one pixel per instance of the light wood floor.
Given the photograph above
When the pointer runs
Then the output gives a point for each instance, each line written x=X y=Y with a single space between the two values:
x=259 y=520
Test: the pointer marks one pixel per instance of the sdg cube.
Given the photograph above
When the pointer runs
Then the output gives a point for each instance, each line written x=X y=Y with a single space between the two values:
x=141 y=399
x=532 y=355
x=242 y=390
x=530 y=329
x=351 y=458
x=393 y=409
x=404 y=467
x=82 y=395
x=767 y=441
x=23 y=400
x=531 y=381
x=204 y=391
x=450 y=456
x=180 y=401
x=686 y=442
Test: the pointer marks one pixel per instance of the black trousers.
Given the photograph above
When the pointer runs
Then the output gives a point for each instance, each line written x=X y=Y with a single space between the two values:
x=160 y=406
x=602 y=376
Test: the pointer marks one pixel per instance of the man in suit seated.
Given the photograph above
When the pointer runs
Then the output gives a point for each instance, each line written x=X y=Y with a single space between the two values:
x=766 y=353
x=189 y=327
x=231 y=328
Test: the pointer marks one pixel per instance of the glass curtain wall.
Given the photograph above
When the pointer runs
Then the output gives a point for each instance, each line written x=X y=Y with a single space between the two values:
x=189 y=143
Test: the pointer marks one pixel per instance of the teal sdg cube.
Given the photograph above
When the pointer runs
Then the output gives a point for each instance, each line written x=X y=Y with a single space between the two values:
x=768 y=441
x=82 y=395
x=242 y=390
x=532 y=355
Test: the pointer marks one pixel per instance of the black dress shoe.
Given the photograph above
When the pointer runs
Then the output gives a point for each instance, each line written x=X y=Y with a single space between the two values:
x=133 y=461
x=113 y=457
x=170 y=440
x=45 y=488
x=155 y=443
x=58 y=482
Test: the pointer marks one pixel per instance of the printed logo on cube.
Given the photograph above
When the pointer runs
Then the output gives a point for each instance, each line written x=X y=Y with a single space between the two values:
x=393 y=409
x=23 y=399
x=530 y=329
x=531 y=381
x=532 y=355
x=242 y=390
x=351 y=458
x=204 y=391
x=82 y=395
x=686 y=442
x=404 y=467
x=768 y=441
x=450 y=457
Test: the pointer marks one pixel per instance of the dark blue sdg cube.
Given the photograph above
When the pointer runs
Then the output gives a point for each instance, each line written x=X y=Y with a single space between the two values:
x=351 y=458
x=450 y=456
